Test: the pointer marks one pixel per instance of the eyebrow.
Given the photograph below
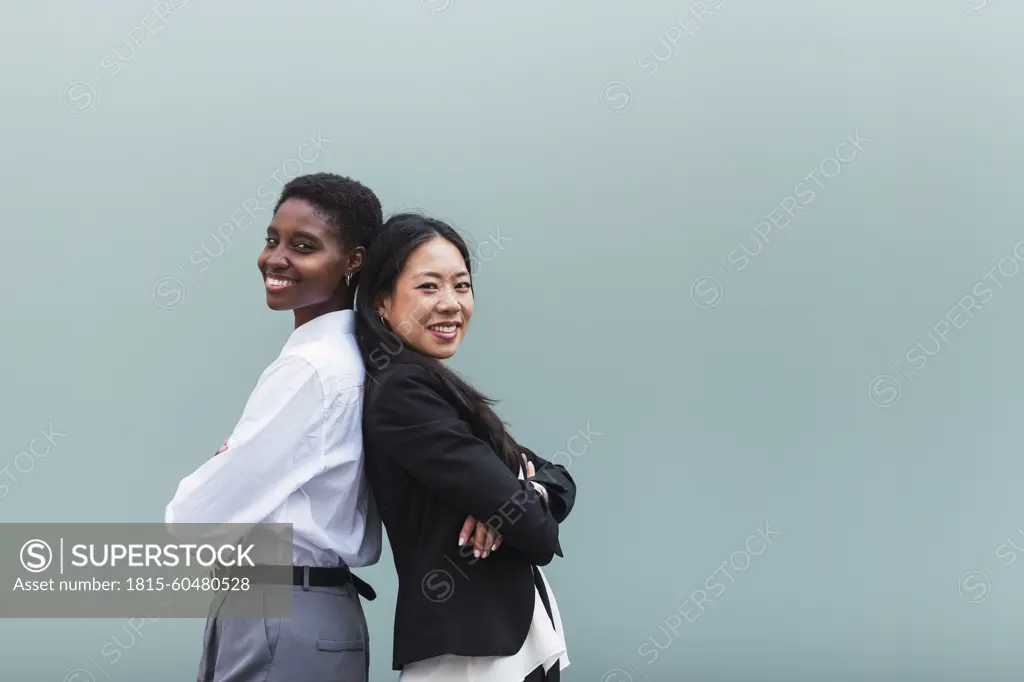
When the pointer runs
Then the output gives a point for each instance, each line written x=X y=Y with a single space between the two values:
x=297 y=233
x=307 y=235
x=437 y=275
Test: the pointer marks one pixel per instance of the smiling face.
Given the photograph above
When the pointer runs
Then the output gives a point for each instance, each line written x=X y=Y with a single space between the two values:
x=305 y=262
x=432 y=302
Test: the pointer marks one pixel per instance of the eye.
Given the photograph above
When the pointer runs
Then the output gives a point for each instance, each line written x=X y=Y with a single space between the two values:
x=465 y=286
x=427 y=285
x=270 y=240
x=305 y=247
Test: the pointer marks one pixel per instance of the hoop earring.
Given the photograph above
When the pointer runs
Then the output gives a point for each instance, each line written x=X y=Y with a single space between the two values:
x=383 y=321
x=348 y=278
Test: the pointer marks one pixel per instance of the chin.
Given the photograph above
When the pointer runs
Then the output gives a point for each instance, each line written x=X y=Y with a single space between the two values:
x=444 y=352
x=274 y=304
x=436 y=352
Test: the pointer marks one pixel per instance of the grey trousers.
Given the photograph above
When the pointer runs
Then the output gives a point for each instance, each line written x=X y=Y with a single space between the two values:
x=324 y=640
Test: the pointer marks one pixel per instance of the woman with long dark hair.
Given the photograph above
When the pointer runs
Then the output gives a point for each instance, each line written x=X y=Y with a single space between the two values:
x=451 y=484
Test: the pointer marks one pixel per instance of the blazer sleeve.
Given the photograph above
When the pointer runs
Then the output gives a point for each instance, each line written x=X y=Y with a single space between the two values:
x=412 y=422
x=556 y=479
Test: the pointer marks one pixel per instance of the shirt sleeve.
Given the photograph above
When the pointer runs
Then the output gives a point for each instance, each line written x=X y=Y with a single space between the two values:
x=274 y=449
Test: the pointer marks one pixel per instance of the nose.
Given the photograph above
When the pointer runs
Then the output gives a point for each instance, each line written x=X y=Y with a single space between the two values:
x=276 y=262
x=447 y=303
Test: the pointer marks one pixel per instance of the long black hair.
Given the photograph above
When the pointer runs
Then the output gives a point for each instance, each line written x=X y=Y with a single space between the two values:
x=384 y=261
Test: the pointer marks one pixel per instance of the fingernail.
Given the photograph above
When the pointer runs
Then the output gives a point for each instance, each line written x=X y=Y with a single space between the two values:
x=462 y=541
x=494 y=546
x=485 y=554
x=476 y=553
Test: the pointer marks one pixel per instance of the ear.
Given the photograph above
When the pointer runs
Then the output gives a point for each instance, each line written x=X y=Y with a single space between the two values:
x=382 y=306
x=355 y=259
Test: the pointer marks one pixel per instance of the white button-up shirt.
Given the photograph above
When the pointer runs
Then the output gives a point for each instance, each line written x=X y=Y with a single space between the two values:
x=296 y=455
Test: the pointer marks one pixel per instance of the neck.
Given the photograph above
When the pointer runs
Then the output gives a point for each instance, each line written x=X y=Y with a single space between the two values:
x=304 y=315
x=342 y=299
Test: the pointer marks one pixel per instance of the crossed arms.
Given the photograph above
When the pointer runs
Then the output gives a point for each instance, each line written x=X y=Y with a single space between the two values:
x=425 y=435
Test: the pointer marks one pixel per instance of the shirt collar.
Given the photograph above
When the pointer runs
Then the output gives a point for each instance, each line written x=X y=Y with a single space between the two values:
x=328 y=324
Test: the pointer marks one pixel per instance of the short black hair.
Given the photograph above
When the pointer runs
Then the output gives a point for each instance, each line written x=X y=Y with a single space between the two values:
x=348 y=205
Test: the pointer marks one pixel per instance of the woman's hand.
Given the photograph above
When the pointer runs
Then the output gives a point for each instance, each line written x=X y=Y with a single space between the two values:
x=484 y=539
x=530 y=473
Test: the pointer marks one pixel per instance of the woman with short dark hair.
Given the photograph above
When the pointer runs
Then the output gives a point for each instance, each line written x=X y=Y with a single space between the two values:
x=296 y=456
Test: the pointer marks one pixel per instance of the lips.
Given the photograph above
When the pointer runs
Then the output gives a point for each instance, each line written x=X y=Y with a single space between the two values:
x=446 y=331
x=277 y=283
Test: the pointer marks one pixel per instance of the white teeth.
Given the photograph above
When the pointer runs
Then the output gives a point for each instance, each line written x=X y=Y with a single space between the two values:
x=275 y=282
x=444 y=328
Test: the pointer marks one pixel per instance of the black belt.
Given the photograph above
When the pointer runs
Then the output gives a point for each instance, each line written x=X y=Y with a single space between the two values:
x=305 y=576
x=334 y=576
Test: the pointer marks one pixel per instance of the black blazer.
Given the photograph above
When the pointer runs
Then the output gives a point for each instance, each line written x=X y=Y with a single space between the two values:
x=428 y=471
